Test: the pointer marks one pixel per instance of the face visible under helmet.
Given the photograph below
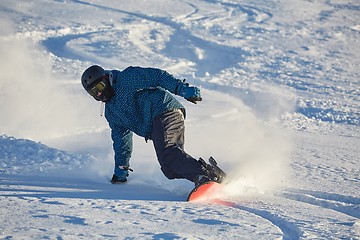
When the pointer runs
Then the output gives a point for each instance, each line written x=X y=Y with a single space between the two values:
x=96 y=81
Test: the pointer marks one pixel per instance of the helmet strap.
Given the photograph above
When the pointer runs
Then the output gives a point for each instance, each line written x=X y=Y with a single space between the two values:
x=109 y=73
x=102 y=108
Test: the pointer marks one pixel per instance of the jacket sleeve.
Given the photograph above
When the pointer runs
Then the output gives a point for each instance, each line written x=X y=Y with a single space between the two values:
x=122 y=144
x=168 y=81
x=154 y=77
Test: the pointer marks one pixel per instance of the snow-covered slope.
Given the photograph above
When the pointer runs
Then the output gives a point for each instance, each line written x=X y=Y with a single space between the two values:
x=280 y=113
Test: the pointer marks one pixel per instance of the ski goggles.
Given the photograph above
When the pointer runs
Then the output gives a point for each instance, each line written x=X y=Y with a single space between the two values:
x=98 y=87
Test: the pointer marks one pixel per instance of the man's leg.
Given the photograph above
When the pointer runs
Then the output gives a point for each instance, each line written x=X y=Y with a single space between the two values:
x=168 y=138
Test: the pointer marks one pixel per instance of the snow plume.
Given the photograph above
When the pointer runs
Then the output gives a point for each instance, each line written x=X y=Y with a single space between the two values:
x=255 y=153
x=35 y=104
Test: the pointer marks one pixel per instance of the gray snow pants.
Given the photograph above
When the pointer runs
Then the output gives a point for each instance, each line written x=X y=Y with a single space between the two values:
x=168 y=139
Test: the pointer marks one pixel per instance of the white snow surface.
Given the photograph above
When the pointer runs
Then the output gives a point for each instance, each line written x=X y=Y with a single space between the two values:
x=280 y=112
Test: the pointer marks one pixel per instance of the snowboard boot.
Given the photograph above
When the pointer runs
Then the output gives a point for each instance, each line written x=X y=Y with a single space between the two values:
x=213 y=172
x=116 y=179
x=201 y=179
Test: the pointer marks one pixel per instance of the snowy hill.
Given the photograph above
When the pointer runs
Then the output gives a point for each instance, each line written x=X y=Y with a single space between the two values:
x=280 y=113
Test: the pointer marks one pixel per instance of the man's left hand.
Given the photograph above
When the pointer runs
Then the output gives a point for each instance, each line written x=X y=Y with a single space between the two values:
x=191 y=94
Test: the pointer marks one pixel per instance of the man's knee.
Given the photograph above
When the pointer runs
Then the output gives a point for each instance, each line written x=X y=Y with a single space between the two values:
x=169 y=173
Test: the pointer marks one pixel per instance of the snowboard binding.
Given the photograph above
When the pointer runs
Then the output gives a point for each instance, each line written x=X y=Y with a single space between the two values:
x=215 y=173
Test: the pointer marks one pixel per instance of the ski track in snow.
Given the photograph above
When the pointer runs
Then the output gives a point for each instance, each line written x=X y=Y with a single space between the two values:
x=288 y=230
x=46 y=193
x=221 y=56
x=343 y=204
x=181 y=38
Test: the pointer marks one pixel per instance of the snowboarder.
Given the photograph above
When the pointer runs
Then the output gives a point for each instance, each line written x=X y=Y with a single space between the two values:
x=139 y=100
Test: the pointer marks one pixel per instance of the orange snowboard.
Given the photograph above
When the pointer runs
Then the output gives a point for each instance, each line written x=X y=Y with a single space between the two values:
x=205 y=191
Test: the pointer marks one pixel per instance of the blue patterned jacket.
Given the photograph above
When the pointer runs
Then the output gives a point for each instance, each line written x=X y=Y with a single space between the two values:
x=140 y=95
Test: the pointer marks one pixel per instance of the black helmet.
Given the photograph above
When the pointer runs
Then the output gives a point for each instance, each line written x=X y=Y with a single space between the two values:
x=92 y=75
x=97 y=82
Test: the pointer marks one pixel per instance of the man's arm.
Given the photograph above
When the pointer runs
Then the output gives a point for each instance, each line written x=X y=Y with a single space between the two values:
x=160 y=78
x=122 y=145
